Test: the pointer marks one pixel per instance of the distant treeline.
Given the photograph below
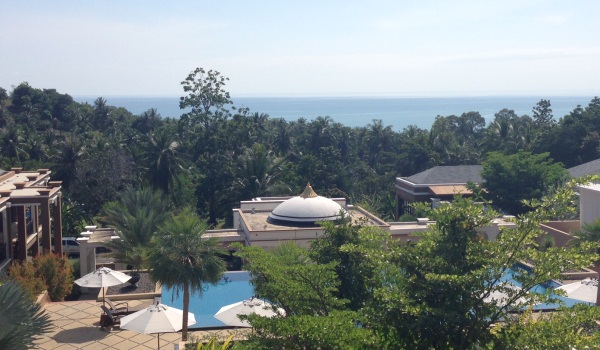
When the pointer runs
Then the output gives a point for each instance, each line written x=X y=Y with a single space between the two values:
x=212 y=158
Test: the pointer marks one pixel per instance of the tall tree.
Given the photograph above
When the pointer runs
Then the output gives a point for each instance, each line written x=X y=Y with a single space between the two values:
x=259 y=171
x=353 y=286
x=206 y=95
x=314 y=317
x=542 y=115
x=161 y=155
x=443 y=283
x=511 y=179
x=183 y=260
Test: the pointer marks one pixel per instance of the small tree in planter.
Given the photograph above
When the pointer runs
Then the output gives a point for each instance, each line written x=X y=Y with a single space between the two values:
x=57 y=273
x=25 y=276
x=49 y=272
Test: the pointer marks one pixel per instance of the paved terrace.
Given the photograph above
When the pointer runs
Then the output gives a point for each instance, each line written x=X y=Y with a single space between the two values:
x=76 y=326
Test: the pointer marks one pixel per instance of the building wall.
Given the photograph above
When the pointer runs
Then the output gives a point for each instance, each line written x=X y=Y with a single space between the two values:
x=560 y=231
x=589 y=203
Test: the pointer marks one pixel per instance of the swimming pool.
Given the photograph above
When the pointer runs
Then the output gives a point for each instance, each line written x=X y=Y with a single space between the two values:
x=233 y=287
x=548 y=286
x=236 y=286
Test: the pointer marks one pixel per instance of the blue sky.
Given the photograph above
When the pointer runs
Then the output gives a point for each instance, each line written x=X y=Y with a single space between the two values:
x=304 y=48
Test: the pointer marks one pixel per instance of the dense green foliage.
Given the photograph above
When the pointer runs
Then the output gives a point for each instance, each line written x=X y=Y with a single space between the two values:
x=510 y=179
x=135 y=218
x=22 y=320
x=215 y=155
x=443 y=291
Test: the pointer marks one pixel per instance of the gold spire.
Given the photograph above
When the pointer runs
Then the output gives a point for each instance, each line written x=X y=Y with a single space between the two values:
x=308 y=192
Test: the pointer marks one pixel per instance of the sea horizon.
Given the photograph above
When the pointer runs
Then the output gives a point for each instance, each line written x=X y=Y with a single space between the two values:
x=360 y=111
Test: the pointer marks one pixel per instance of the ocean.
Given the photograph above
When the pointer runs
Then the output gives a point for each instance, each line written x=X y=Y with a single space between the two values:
x=398 y=112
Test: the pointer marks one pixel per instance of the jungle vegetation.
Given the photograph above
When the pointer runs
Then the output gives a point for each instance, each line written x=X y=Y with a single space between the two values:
x=215 y=155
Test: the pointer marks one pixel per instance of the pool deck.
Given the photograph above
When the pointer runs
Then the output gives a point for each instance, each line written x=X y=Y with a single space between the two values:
x=76 y=326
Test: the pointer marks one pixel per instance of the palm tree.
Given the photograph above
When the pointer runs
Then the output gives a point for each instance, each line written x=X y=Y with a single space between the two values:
x=21 y=319
x=183 y=260
x=68 y=153
x=135 y=218
x=161 y=156
x=36 y=149
x=259 y=170
x=12 y=143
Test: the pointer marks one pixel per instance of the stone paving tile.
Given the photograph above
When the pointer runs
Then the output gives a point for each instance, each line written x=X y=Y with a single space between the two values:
x=96 y=346
x=76 y=326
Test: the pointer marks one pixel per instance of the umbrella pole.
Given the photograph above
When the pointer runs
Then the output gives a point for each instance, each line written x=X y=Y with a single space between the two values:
x=158 y=337
x=103 y=296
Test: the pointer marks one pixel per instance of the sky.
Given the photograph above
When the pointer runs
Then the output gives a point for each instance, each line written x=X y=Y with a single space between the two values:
x=304 y=48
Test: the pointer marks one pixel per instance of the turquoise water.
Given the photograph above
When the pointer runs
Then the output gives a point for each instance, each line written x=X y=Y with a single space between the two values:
x=236 y=286
x=399 y=112
x=542 y=289
x=233 y=287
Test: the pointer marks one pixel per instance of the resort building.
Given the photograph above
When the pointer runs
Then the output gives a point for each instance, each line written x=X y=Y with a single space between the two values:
x=561 y=233
x=268 y=222
x=31 y=215
x=589 y=168
x=435 y=185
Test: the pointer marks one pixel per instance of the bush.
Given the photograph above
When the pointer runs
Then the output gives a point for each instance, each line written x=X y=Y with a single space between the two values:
x=407 y=218
x=25 y=275
x=47 y=272
x=57 y=273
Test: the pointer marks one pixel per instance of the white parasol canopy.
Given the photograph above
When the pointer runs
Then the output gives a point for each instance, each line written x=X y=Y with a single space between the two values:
x=503 y=293
x=585 y=290
x=228 y=314
x=103 y=277
x=157 y=318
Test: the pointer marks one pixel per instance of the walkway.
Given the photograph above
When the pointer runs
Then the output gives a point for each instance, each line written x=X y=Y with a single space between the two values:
x=76 y=326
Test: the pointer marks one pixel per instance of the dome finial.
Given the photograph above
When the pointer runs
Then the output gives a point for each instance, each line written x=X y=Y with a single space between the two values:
x=308 y=192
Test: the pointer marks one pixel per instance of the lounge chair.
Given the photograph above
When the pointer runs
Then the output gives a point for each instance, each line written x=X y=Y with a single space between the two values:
x=118 y=309
x=108 y=319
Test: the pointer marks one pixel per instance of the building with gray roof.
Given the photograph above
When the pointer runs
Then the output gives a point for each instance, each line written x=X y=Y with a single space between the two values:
x=589 y=168
x=439 y=183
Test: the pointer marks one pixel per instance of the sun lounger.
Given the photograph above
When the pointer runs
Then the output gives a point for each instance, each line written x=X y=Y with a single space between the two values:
x=118 y=309
x=108 y=319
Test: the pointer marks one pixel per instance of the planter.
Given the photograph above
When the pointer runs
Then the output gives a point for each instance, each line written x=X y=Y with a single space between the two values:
x=43 y=298
x=135 y=278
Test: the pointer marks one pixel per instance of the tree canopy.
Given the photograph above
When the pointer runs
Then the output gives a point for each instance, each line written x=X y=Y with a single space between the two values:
x=446 y=283
x=510 y=179
x=214 y=155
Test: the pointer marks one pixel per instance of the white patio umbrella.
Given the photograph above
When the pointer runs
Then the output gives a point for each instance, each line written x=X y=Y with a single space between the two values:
x=503 y=293
x=584 y=290
x=158 y=318
x=103 y=277
x=228 y=314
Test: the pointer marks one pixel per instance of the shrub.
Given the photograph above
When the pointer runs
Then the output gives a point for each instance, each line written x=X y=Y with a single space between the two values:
x=407 y=218
x=25 y=275
x=57 y=273
x=49 y=272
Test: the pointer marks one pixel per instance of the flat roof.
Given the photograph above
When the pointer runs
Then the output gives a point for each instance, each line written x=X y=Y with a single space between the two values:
x=258 y=220
x=444 y=190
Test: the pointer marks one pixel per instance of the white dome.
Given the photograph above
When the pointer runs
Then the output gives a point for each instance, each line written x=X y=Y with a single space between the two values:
x=307 y=208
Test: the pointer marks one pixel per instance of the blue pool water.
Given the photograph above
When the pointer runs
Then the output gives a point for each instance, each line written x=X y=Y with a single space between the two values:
x=236 y=286
x=233 y=287
x=542 y=289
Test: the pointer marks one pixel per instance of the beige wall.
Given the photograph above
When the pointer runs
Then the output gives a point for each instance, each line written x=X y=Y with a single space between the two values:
x=560 y=231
